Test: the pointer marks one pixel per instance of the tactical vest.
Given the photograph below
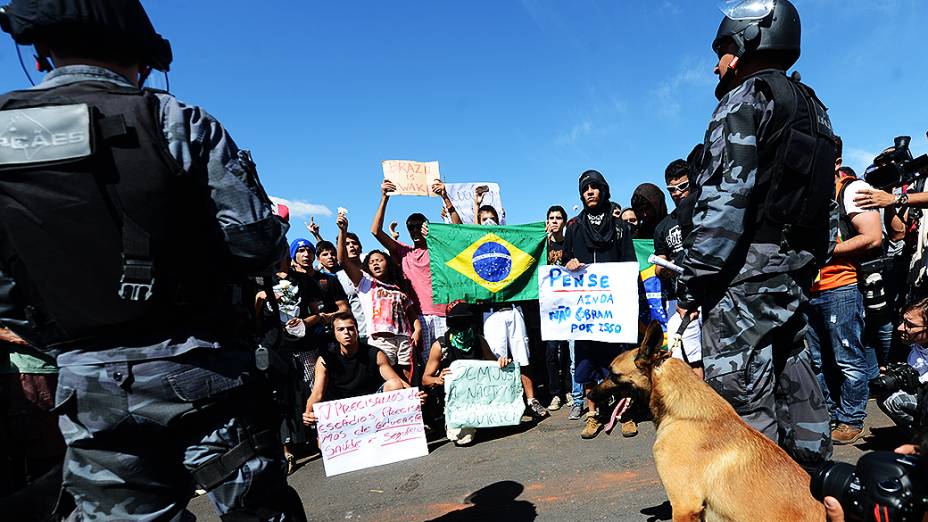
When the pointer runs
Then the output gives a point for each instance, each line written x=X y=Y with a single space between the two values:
x=102 y=233
x=795 y=183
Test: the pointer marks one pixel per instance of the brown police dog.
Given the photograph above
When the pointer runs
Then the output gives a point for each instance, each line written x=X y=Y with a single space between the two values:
x=713 y=465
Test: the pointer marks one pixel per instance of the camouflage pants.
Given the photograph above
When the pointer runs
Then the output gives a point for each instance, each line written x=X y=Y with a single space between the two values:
x=137 y=431
x=754 y=357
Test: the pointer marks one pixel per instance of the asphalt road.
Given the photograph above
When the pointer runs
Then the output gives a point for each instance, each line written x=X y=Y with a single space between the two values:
x=540 y=471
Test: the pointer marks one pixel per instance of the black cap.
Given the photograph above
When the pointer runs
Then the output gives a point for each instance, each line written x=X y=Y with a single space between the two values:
x=122 y=20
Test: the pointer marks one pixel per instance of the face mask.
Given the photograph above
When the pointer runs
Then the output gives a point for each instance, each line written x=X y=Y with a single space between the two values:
x=490 y=222
x=463 y=340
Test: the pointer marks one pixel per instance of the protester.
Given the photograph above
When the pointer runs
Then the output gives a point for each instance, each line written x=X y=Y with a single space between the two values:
x=313 y=228
x=328 y=259
x=650 y=209
x=749 y=259
x=595 y=236
x=415 y=262
x=353 y=251
x=30 y=443
x=505 y=331
x=393 y=324
x=668 y=245
x=157 y=390
x=557 y=355
x=460 y=342
x=351 y=369
x=628 y=215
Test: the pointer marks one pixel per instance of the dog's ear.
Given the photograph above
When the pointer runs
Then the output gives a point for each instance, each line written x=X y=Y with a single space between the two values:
x=651 y=351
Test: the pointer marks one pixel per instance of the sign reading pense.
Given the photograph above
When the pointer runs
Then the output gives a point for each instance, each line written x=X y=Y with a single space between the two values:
x=370 y=430
x=480 y=394
x=596 y=303
x=412 y=178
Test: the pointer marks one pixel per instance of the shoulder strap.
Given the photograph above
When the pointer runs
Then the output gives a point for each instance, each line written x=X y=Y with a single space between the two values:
x=844 y=224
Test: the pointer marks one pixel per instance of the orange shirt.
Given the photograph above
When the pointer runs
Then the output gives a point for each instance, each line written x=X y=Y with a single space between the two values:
x=837 y=273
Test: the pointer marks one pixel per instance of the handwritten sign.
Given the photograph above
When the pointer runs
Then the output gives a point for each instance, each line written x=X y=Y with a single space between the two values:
x=596 y=303
x=462 y=196
x=370 y=430
x=412 y=178
x=478 y=394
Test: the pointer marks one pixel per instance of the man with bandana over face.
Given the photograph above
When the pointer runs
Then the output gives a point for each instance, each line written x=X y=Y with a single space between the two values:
x=760 y=228
x=596 y=236
x=460 y=342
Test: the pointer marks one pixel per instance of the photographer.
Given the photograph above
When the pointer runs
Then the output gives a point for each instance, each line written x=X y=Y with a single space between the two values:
x=899 y=385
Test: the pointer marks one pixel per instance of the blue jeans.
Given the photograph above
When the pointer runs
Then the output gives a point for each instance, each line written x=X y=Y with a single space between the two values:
x=836 y=324
x=576 y=390
x=878 y=342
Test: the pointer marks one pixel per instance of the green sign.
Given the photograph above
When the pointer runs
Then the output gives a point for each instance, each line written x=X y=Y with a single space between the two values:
x=478 y=394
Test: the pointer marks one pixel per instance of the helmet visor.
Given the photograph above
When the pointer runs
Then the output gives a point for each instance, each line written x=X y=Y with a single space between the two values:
x=742 y=10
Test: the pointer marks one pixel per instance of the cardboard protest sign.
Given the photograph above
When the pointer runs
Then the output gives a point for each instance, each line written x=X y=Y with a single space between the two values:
x=412 y=178
x=462 y=196
x=596 y=303
x=478 y=394
x=370 y=430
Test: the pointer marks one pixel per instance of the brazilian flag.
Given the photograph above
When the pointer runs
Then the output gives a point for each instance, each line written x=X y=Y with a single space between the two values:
x=652 y=284
x=486 y=263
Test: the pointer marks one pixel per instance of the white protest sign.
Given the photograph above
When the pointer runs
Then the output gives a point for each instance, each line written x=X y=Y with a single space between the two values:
x=462 y=196
x=370 y=430
x=596 y=303
x=412 y=178
x=480 y=394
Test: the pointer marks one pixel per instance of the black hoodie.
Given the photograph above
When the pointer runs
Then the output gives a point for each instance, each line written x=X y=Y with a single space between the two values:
x=602 y=239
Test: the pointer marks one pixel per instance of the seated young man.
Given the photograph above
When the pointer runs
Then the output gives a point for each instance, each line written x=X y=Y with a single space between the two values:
x=350 y=369
x=460 y=342
x=902 y=406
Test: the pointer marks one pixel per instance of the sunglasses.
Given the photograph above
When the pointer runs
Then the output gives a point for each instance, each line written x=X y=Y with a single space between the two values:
x=682 y=187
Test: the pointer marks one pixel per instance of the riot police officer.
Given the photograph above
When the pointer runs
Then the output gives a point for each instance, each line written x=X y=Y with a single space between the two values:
x=760 y=226
x=112 y=200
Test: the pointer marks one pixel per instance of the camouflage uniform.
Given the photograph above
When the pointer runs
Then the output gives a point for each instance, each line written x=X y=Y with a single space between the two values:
x=140 y=415
x=751 y=293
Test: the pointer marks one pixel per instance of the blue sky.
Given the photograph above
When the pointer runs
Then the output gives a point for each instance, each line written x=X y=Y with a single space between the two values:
x=526 y=93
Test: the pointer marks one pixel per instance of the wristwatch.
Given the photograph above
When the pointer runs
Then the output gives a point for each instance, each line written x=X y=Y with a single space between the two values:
x=902 y=200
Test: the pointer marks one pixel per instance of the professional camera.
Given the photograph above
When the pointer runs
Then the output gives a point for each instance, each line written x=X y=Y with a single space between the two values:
x=883 y=486
x=896 y=166
x=897 y=376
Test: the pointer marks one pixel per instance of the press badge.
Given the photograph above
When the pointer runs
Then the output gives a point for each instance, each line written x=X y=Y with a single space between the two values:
x=44 y=134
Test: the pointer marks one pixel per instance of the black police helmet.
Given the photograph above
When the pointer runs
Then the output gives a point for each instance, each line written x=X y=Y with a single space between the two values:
x=761 y=26
x=122 y=21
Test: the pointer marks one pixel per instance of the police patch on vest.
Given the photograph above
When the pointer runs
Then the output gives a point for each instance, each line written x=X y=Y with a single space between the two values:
x=44 y=134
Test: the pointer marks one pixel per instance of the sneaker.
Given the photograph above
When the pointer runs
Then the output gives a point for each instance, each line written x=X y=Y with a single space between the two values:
x=555 y=404
x=629 y=429
x=846 y=434
x=576 y=411
x=537 y=409
x=593 y=427
x=569 y=400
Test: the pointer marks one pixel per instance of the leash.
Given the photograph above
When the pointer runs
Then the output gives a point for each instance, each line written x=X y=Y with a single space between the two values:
x=676 y=339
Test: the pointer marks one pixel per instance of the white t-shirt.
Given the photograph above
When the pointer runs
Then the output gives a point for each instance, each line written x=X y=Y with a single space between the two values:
x=918 y=359
x=385 y=307
x=852 y=190
x=353 y=301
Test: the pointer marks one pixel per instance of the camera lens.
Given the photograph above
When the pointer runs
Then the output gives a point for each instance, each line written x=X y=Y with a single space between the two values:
x=833 y=479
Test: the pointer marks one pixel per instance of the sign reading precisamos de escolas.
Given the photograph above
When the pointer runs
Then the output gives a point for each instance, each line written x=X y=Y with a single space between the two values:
x=370 y=430
x=596 y=303
x=480 y=394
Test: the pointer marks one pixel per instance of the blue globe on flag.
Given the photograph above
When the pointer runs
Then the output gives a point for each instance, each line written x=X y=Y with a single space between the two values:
x=492 y=261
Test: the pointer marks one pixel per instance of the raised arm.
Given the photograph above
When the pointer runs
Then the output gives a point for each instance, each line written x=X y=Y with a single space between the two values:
x=439 y=188
x=352 y=267
x=377 y=226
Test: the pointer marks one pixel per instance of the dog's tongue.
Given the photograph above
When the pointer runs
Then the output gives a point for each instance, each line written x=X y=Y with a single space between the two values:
x=617 y=412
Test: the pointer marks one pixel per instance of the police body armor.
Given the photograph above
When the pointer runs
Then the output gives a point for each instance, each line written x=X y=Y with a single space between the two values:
x=102 y=233
x=796 y=177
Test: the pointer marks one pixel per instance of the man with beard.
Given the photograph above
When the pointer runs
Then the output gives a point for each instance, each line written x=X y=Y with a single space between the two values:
x=596 y=236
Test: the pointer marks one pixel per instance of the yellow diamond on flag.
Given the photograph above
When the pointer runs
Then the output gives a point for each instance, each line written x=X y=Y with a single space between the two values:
x=492 y=262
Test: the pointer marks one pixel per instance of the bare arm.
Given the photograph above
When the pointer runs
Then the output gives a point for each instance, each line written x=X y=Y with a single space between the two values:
x=874 y=198
x=319 y=383
x=377 y=226
x=431 y=376
x=352 y=267
x=386 y=371
x=869 y=235
x=439 y=188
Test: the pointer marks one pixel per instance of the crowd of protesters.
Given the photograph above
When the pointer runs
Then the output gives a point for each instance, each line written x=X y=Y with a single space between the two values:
x=366 y=323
